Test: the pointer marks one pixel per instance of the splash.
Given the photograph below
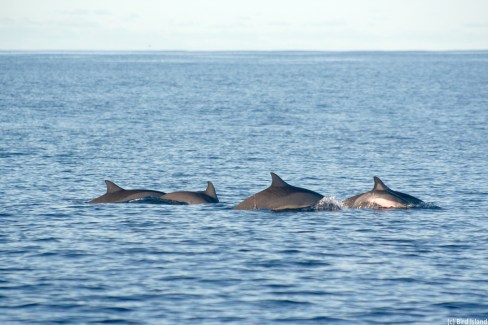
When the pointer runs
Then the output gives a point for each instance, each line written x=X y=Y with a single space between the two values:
x=328 y=204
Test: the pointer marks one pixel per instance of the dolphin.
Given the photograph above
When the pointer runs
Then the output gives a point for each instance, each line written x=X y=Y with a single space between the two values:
x=382 y=197
x=116 y=194
x=280 y=196
x=186 y=197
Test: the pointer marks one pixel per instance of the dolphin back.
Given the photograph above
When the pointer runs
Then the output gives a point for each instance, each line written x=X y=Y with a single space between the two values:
x=187 y=197
x=116 y=194
x=382 y=197
x=280 y=196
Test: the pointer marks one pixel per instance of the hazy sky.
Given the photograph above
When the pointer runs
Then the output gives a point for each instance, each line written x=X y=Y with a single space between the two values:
x=243 y=24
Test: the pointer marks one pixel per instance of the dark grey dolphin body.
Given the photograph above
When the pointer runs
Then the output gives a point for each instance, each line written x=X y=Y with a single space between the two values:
x=280 y=196
x=186 y=197
x=116 y=194
x=382 y=197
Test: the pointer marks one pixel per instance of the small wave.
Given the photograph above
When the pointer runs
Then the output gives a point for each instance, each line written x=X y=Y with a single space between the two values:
x=426 y=205
x=328 y=204
x=422 y=205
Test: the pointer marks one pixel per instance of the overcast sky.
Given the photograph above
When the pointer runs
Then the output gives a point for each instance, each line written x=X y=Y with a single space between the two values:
x=243 y=24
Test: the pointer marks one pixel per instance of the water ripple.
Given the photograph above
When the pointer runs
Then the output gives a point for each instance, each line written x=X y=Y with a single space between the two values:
x=171 y=121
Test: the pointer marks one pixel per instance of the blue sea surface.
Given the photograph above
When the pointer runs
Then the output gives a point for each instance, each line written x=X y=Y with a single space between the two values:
x=172 y=121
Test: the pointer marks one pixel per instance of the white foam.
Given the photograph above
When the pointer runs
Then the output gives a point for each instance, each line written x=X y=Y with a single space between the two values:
x=328 y=204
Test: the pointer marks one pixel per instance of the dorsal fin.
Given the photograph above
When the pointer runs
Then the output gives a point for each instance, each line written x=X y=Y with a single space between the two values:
x=276 y=181
x=379 y=185
x=112 y=187
x=210 y=191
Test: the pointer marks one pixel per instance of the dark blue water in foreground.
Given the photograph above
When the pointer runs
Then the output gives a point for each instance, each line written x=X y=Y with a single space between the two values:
x=170 y=121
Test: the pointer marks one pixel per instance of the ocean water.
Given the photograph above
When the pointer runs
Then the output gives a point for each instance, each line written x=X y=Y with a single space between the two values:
x=171 y=121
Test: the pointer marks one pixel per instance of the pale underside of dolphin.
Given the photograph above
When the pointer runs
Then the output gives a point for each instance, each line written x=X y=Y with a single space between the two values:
x=187 y=197
x=382 y=197
x=280 y=196
x=116 y=194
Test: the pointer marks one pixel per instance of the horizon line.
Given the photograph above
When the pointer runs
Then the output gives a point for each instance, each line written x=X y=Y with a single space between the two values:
x=242 y=50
